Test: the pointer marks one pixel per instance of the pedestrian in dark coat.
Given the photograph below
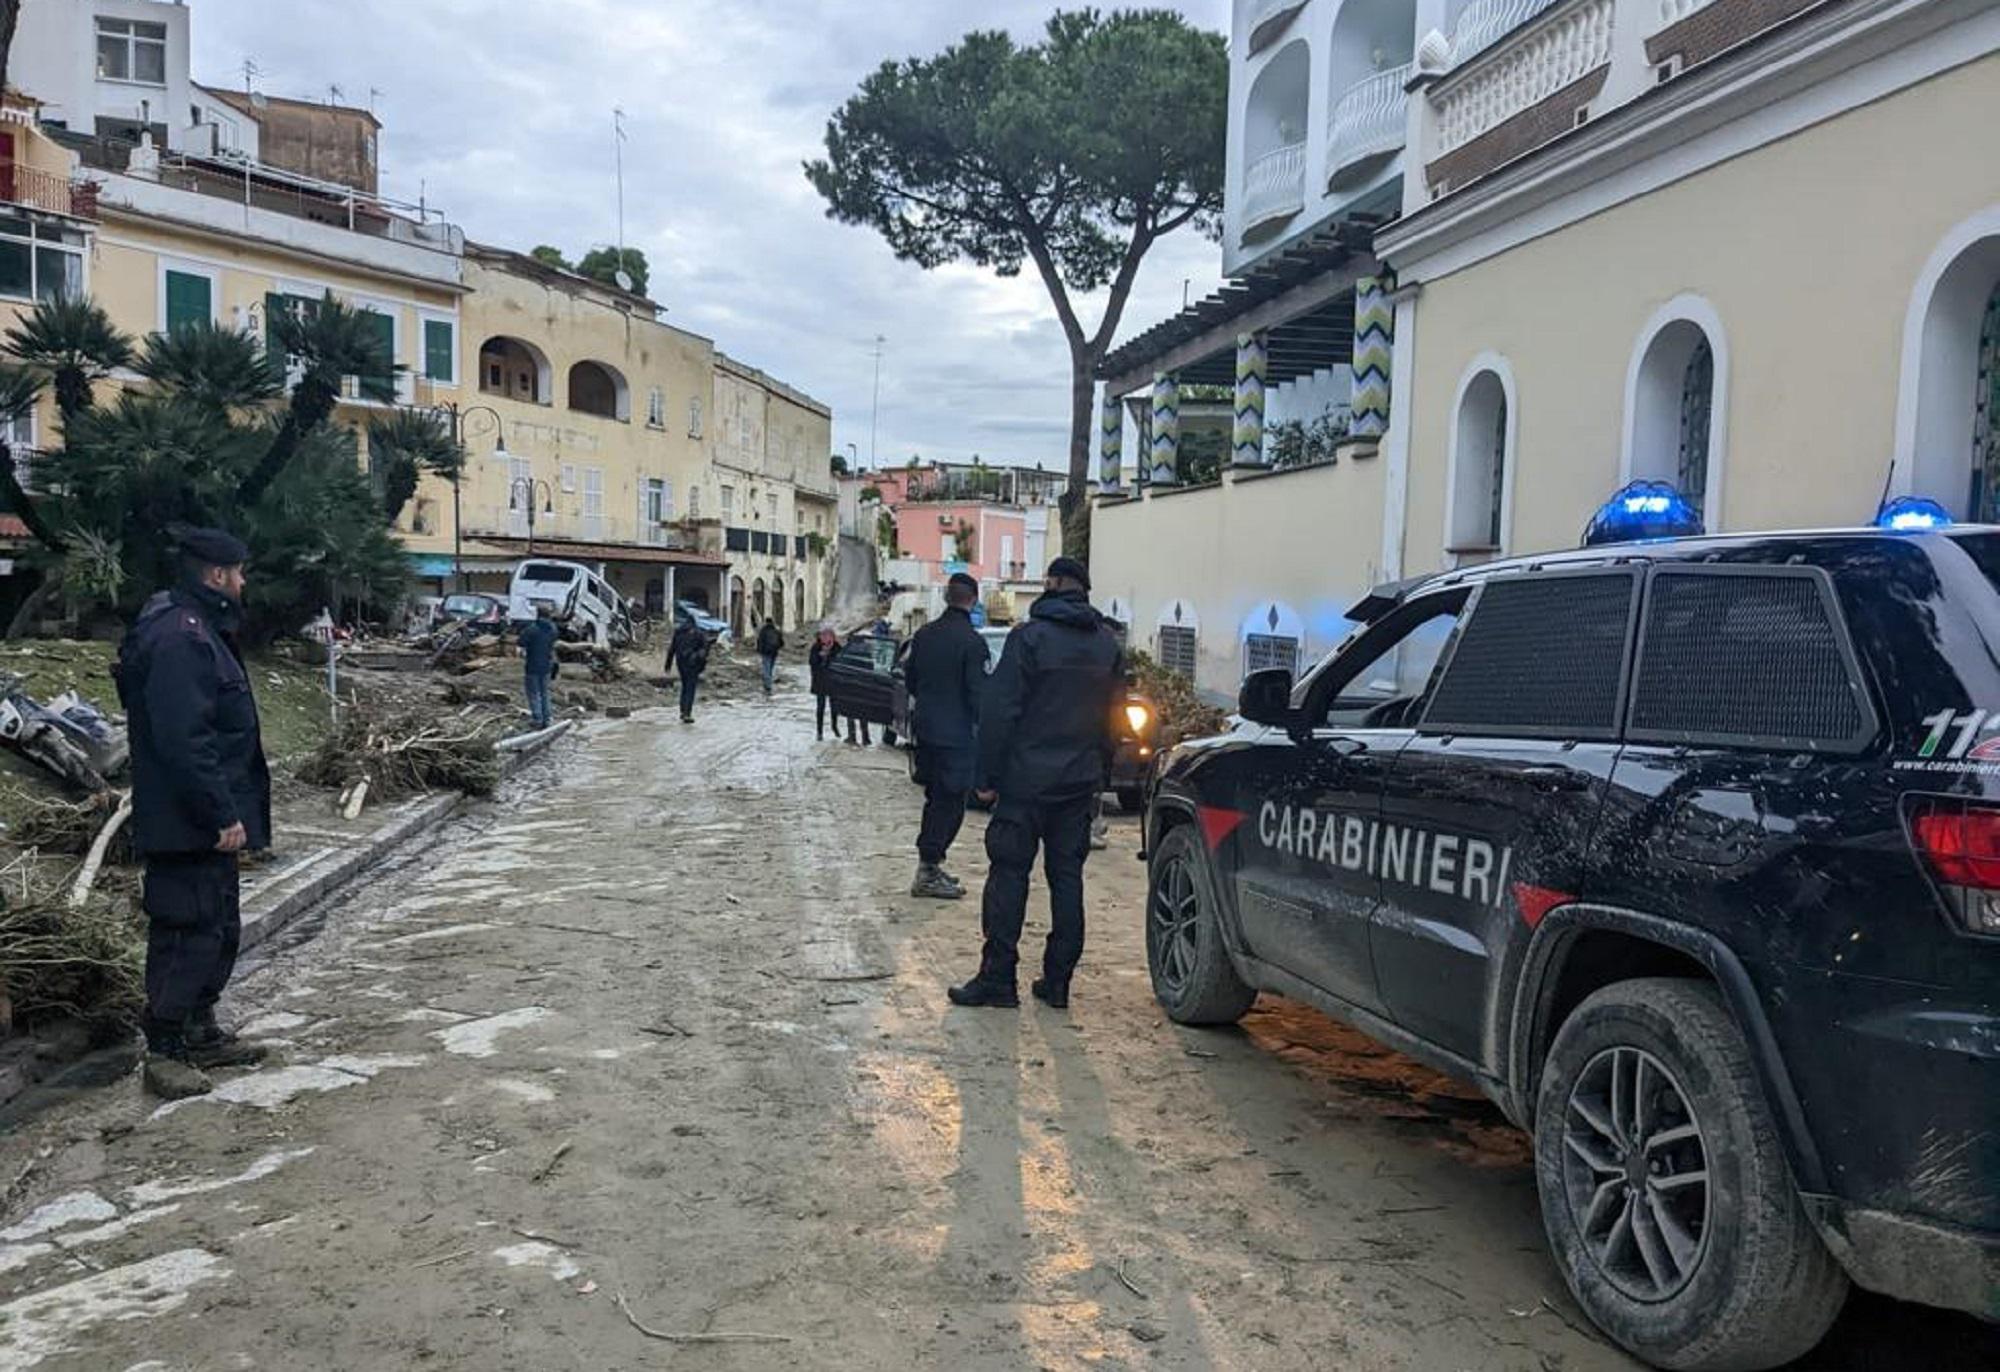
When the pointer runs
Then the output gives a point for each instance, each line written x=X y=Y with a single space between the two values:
x=818 y=658
x=201 y=795
x=770 y=642
x=945 y=673
x=687 y=654
x=1045 y=746
x=538 y=660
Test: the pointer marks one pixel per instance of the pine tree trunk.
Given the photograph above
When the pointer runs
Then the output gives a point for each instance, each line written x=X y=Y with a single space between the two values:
x=1075 y=503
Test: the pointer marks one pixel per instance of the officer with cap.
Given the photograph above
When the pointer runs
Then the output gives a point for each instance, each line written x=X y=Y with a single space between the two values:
x=201 y=794
x=945 y=674
x=1045 y=747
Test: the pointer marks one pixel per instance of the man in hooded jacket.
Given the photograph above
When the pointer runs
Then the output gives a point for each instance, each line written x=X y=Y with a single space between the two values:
x=1045 y=747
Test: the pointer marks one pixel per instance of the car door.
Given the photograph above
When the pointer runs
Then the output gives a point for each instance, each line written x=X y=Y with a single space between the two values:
x=1306 y=883
x=1488 y=814
x=859 y=680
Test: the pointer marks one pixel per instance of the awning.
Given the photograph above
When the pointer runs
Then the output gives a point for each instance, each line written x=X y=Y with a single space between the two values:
x=1301 y=300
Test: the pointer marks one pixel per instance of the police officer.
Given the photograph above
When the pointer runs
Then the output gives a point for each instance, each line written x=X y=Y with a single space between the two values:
x=201 y=794
x=946 y=674
x=1044 y=750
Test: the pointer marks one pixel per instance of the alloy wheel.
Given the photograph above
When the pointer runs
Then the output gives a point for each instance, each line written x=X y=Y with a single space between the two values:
x=1635 y=1173
x=1176 y=920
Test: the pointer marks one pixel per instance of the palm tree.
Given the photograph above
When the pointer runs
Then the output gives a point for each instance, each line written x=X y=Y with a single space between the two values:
x=326 y=342
x=210 y=365
x=402 y=446
x=73 y=341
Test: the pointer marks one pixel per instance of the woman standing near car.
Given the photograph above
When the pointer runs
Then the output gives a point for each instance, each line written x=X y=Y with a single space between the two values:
x=818 y=658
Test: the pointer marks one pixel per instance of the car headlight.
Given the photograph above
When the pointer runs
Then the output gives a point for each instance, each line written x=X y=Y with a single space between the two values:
x=1138 y=717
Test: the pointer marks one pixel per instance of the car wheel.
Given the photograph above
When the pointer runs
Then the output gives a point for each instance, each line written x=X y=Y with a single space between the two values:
x=1131 y=799
x=1193 y=978
x=1665 y=1190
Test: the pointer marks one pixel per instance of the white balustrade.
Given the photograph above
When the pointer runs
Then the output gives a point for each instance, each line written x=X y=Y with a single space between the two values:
x=1274 y=185
x=1673 y=11
x=1486 y=22
x=1266 y=17
x=1541 y=62
x=1368 y=120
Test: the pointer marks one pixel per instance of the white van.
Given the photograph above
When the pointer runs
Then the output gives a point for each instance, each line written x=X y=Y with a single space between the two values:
x=583 y=603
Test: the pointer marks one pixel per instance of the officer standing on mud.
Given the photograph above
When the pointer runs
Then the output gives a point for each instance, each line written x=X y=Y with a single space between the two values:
x=201 y=795
x=946 y=675
x=1044 y=750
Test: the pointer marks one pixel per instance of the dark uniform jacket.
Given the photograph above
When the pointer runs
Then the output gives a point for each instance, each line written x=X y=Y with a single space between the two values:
x=1045 y=725
x=687 y=652
x=946 y=674
x=197 y=749
x=538 y=647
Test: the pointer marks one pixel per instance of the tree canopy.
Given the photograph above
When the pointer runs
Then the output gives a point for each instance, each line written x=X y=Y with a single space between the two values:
x=602 y=264
x=1074 y=154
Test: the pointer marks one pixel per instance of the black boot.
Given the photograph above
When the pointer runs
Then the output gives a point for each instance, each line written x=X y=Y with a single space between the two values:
x=1054 y=994
x=169 y=1074
x=985 y=993
x=210 y=1045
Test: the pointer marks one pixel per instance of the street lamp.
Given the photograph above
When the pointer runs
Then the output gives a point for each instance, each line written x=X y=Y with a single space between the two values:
x=524 y=488
x=454 y=420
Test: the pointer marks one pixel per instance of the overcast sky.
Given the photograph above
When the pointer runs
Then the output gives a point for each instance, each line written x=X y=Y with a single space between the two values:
x=501 y=115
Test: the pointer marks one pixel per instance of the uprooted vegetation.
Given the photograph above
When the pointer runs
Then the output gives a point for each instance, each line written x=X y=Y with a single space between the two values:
x=407 y=753
x=1183 y=713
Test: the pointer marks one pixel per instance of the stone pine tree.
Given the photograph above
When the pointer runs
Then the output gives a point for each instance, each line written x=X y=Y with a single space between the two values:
x=1075 y=154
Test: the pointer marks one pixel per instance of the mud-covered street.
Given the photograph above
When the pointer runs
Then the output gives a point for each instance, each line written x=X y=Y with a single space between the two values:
x=660 y=1039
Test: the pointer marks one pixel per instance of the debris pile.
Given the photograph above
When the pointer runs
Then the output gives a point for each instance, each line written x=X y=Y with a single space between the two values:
x=1183 y=714
x=54 y=825
x=385 y=758
x=55 y=959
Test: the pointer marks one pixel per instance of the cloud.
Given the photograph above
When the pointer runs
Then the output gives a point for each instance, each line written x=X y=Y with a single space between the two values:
x=501 y=116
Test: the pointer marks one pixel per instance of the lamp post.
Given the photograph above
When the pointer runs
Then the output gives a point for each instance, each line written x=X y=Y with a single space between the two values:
x=525 y=487
x=454 y=420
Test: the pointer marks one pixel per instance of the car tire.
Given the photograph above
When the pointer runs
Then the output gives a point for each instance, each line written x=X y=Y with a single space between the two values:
x=1131 y=799
x=1193 y=978
x=1650 y=1081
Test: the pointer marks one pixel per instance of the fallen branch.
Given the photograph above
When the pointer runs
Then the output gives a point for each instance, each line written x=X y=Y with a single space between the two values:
x=544 y=1238
x=1126 y=1282
x=88 y=876
x=726 y=1337
x=562 y=1151
x=443 y=1258
x=351 y=809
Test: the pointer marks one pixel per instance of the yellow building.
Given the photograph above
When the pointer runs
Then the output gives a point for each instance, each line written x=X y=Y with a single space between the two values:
x=774 y=496
x=47 y=220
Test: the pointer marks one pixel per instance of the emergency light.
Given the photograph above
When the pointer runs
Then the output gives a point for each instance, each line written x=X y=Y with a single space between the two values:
x=1910 y=513
x=1642 y=509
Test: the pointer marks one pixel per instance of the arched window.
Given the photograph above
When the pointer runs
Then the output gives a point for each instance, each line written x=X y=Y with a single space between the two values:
x=1482 y=445
x=1368 y=67
x=1676 y=390
x=1948 y=410
x=757 y=599
x=515 y=368
x=1274 y=140
x=595 y=388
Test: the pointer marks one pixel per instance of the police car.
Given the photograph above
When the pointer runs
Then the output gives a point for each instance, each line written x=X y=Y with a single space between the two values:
x=1687 y=852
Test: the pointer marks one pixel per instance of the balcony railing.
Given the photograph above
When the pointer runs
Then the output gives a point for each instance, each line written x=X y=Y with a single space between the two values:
x=1369 y=120
x=1673 y=11
x=1274 y=186
x=1553 y=55
x=1267 y=19
x=37 y=189
x=1486 y=22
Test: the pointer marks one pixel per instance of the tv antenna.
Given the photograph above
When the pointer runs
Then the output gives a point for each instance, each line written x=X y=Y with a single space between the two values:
x=618 y=161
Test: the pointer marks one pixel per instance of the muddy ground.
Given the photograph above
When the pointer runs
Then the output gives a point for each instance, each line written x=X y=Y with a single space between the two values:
x=659 y=1037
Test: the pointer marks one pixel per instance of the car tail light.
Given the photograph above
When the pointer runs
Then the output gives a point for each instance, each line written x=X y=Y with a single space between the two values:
x=1961 y=845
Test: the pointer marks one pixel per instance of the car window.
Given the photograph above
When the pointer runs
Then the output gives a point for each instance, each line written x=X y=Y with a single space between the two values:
x=1379 y=678
x=546 y=571
x=1540 y=656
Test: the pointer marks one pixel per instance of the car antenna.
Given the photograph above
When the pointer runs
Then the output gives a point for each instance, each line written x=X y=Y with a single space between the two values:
x=1887 y=481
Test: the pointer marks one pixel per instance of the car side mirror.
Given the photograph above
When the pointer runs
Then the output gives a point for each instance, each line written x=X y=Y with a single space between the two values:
x=1266 y=698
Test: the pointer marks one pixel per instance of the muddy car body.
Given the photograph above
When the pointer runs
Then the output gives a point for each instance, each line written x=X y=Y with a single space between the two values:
x=1688 y=854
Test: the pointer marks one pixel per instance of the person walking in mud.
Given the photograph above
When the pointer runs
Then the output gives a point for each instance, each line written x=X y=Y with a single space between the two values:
x=770 y=642
x=1045 y=748
x=201 y=795
x=538 y=662
x=687 y=654
x=819 y=657
x=945 y=674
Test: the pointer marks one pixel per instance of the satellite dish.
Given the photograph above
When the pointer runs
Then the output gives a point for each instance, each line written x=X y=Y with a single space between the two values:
x=623 y=278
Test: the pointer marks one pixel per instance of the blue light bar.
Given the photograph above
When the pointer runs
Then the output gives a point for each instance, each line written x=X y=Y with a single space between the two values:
x=1912 y=513
x=1640 y=510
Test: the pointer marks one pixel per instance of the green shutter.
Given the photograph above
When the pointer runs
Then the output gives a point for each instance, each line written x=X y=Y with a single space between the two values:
x=381 y=385
x=189 y=299
x=439 y=347
x=275 y=304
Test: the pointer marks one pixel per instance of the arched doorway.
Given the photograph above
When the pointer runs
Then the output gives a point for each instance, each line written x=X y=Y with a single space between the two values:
x=1676 y=394
x=598 y=388
x=1948 y=411
x=757 y=599
x=515 y=368
x=736 y=606
x=1482 y=448
x=799 y=597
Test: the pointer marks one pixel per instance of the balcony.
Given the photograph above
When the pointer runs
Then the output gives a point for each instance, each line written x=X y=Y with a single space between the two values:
x=40 y=190
x=1368 y=121
x=1268 y=19
x=1540 y=64
x=1486 y=22
x=1274 y=186
x=1673 y=11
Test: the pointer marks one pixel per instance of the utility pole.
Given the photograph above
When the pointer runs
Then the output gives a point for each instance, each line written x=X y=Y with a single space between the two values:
x=875 y=403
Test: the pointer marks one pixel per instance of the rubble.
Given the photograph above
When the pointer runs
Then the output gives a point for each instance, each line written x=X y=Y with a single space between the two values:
x=86 y=961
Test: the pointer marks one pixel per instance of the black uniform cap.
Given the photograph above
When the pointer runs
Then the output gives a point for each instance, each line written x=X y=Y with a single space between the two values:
x=1072 y=569
x=215 y=547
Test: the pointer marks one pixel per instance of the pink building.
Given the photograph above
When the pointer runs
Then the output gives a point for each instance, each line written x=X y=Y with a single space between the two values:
x=989 y=541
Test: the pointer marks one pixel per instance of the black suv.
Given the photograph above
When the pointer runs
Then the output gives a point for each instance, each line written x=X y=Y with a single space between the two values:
x=1688 y=854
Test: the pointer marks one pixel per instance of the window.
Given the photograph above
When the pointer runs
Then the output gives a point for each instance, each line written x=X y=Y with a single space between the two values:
x=593 y=502
x=659 y=501
x=1479 y=466
x=694 y=502
x=771 y=503
x=1697 y=409
x=566 y=477
x=1540 y=656
x=38 y=262
x=186 y=298
x=1755 y=657
x=1177 y=649
x=694 y=417
x=380 y=382
x=132 y=50
x=1379 y=678
x=728 y=503
x=18 y=434
x=656 y=408
x=276 y=305
x=425 y=520
x=441 y=351
x=595 y=388
x=1264 y=651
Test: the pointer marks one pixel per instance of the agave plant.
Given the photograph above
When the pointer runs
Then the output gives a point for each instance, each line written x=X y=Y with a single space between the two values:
x=72 y=341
